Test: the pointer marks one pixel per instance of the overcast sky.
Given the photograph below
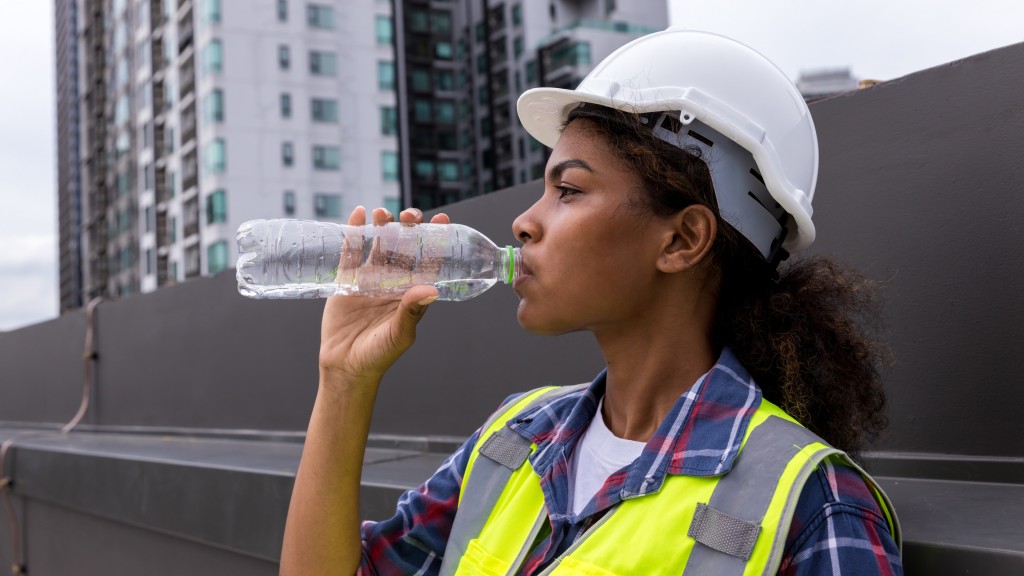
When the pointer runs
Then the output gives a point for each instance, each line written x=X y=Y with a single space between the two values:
x=878 y=39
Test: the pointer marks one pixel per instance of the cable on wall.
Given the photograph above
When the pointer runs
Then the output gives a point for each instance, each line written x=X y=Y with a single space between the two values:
x=89 y=357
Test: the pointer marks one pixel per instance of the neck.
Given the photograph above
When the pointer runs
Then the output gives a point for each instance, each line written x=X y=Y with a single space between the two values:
x=652 y=362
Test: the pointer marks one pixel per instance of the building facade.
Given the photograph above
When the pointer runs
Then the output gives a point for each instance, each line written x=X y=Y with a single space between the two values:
x=181 y=119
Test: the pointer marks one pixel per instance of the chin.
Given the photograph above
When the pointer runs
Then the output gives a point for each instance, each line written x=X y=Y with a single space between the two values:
x=536 y=323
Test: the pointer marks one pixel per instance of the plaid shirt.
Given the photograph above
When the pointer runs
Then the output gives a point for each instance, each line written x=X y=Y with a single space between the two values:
x=838 y=527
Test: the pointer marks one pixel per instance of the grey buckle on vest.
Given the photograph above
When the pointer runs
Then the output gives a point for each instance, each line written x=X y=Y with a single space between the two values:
x=506 y=450
x=723 y=532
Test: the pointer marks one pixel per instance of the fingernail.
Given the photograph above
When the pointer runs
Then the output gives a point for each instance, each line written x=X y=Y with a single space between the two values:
x=428 y=300
x=415 y=211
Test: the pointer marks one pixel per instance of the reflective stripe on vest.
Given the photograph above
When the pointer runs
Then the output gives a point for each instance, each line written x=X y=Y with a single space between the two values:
x=731 y=524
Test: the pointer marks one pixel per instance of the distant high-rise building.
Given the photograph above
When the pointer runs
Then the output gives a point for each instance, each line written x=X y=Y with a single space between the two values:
x=193 y=116
x=816 y=84
x=464 y=65
x=69 y=184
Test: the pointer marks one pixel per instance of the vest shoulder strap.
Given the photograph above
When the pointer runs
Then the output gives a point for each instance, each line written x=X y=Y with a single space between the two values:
x=504 y=451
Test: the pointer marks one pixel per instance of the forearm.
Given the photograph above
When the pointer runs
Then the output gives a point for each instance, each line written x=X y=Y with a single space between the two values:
x=322 y=531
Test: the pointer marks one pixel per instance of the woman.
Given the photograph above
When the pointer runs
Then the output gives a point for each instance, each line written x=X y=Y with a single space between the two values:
x=661 y=236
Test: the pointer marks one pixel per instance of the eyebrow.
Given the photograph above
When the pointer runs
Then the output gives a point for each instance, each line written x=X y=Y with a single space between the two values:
x=557 y=169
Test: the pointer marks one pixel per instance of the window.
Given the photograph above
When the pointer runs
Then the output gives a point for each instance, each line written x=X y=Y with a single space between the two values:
x=323 y=63
x=286 y=105
x=216 y=207
x=150 y=254
x=480 y=32
x=149 y=216
x=448 y=170
x=211 y=12
x=172 y=184
x=327 y=205
x=481 y=63
x=282 y=10
x=484 y=95
x=444 y=112
x=389 y=168
x=289 y=203
x=443 y=50
x=325 y=110
x=422 y=111
x=213 y=106
x=287 y=154
x=386 y=75
x=531 y=72
x=424 y=169
x=441 y=23
x=326 y=158
x=392 y=205
x=319 y=16
x=215 y=157
x=447 y=141
x=517 y=46
x=213 y=58
x=517 y=14
x=445 y=80
x=217 y=257
x=418 y=21
x=385 y=30
x=421 y=80
x=388 y=120
x=284 y=57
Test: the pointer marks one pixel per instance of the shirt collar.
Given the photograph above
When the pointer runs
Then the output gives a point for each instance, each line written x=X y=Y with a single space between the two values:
x=700 y=436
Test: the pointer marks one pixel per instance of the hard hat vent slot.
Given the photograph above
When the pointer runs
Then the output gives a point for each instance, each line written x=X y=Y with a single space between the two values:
x=701 y=138
x=756 y=199
x=671 y=123
x=756 y=174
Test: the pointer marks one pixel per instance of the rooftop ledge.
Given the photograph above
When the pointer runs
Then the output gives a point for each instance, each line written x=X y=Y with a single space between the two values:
x=231 y=489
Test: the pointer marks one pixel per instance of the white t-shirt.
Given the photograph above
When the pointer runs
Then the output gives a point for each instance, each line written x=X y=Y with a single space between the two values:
x=599 y=454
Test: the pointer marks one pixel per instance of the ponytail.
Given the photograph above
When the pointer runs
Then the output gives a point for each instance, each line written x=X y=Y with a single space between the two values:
x=807 y=339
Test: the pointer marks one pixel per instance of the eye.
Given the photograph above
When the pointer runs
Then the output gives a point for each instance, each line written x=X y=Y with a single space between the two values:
x=565 y=191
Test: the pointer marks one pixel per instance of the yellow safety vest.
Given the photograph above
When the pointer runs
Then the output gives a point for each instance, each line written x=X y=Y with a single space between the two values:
x=736 y=523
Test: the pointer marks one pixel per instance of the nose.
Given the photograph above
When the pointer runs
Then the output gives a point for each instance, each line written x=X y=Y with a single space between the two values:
x=526 y=227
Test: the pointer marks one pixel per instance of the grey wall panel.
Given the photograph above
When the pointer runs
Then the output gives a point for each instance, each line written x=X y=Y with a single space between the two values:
x=64 y=542
x=921 y=185
x=41 y=370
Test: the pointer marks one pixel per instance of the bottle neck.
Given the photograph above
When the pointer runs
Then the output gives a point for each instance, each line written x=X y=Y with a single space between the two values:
x=510 y=264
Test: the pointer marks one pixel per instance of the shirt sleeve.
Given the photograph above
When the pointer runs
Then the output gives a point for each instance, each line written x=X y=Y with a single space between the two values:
x=839 y=528
x=414 y=539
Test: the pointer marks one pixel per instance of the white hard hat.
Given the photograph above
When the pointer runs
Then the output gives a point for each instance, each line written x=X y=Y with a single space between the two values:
x=753 y=126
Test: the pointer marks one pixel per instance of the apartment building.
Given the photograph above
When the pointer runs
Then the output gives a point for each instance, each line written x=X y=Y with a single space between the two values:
x=181 y=119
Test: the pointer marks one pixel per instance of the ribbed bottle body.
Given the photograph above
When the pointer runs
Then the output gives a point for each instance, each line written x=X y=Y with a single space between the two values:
x=305 y=259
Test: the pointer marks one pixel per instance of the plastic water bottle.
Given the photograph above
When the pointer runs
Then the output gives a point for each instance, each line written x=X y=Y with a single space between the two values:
x=306 y=259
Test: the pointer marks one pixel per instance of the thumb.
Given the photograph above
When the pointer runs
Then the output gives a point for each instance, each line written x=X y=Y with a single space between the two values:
x=414 y=305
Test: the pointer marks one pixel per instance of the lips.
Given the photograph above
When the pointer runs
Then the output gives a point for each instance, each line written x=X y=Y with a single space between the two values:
x=524 y=273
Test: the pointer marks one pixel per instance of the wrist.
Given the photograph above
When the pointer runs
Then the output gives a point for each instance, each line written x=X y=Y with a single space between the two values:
x=337 y=380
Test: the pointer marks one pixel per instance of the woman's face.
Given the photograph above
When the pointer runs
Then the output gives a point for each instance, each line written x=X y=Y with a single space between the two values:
x=589 y=247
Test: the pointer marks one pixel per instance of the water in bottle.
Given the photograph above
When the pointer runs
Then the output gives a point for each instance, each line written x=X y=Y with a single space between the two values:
x=306 y=259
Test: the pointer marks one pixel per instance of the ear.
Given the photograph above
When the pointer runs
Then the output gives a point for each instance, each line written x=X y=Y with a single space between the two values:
x=690 y=236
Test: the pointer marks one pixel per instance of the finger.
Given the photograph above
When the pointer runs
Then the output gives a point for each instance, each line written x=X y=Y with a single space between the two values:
x=441 y=218
x=358 y=216
x=411 y=216
x=381 y=216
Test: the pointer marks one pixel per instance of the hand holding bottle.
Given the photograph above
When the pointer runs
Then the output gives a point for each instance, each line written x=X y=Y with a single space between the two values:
x=361 y=337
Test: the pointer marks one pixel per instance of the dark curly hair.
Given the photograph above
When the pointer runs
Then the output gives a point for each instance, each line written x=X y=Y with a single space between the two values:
x=805 y=332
